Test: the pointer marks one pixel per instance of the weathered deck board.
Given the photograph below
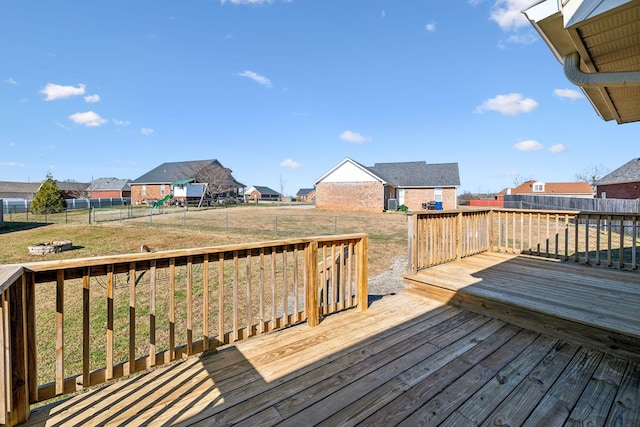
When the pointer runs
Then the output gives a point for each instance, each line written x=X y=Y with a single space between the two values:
x=408 y=360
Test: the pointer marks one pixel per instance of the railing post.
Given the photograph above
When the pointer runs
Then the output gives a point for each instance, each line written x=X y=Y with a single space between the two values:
x=311 y=292
x=412 y=229
x=362 y=250
x=490 y=227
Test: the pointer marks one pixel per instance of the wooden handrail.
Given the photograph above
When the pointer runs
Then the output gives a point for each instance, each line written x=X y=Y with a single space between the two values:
x=161 y=306
x=600 y=238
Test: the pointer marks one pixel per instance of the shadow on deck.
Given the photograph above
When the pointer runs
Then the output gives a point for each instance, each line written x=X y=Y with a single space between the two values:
x=405 y=361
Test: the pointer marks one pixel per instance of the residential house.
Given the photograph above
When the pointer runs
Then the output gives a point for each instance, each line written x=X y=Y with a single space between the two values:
x=28 y=190
x=556 y=189
x=104 y=188
x=189 y=179
x=622 y=183
x=306 y=195
x=386 y=186
x=255 y=193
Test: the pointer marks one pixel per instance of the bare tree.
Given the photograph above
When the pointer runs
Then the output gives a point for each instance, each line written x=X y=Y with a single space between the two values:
x=217 y=178
x=592 y=174
x=519 y=180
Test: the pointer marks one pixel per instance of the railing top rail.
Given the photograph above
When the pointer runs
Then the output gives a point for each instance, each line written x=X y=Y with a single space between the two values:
x=8 y=275
x=560 y=212
x=42 y=266
x=604 y=213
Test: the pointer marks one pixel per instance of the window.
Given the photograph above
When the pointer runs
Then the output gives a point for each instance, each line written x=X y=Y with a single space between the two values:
x=538 y=187
x=437 y=194
x=144 y=190
x=162 y=189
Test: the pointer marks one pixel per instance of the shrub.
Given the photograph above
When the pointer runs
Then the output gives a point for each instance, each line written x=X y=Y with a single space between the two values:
x=403 y=208
x=48 y=199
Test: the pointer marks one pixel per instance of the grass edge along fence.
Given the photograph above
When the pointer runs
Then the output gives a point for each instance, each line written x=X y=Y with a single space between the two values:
x=598 y=238
x=323 y=275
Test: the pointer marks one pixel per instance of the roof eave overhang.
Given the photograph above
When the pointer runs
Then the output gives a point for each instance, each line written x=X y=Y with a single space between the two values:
x=560 y=27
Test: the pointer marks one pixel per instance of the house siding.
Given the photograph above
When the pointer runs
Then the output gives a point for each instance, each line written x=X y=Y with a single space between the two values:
x=414 y=198
x=628 y=190
x=359 y=196
x=106 y=194
x=153 y=193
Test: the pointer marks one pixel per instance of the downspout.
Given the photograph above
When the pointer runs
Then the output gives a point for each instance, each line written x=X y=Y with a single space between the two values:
x=604 y=79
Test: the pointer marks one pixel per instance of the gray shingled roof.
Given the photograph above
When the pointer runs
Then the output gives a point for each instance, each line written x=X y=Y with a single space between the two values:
x=304 y=191
x=19 y=187
x=629 y=172
x=266 y=191
x=418 y=174
x=103 y=184
x=170 y=172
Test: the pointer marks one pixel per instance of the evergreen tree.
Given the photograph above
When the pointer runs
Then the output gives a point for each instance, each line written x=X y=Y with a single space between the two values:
x=48 y=199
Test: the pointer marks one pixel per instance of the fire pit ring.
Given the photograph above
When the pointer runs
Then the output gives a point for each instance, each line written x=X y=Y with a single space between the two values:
x=50 y=247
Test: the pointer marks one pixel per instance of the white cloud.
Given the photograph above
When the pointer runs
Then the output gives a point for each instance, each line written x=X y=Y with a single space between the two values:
x=430 y=27
x=508 y=13
x=12 y=165
x=255 y=77
x=147 y=131
x=92 y=98
x=11 y=81
x=528 y=145
x=291 y=164
x=558 y=148
x=510 y=104
x=121 y=122
x=54 y=91
x=354 y=137
x=383 y=13
x=89 y=119
x=568 y=94
x=523 y=39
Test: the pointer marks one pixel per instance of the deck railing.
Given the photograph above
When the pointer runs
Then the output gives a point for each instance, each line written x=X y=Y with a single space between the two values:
x=599 y=238
x=67 y=325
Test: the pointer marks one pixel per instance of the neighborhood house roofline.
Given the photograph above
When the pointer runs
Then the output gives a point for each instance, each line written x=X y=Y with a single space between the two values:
x=627 y=173
x=354 y=163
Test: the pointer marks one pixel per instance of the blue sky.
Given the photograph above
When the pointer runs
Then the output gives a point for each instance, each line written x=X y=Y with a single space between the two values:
x=281 y=91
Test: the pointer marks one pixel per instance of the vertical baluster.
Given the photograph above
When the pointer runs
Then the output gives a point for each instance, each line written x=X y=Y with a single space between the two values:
x=285 y=294
x=236 y=332
x=248 y=303
x=189 y=305
x=153 y=349
x=205 y=302
x=274 y=314
x=86 y=380
x=109 y=367
x=296 y=283
x=221 y=315
x=261 y=287
x=60 y=332
x=132 y=318
x=172 y=309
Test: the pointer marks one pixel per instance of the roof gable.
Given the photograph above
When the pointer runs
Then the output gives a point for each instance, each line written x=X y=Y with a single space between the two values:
x=349 y=170
x=264 y=190
x=629 y=172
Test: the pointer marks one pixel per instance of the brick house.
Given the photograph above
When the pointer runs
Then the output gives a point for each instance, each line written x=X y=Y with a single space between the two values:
x=385 y=186
x=306 y=195
x=257 y=192
x=557 y=189
x=104 y=188
x=622 y=183
x=189 y=178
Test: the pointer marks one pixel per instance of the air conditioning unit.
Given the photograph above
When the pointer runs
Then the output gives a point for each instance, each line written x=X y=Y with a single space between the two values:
x=392 y=204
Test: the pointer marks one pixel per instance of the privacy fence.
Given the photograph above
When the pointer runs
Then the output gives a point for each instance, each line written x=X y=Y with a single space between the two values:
x=530 y=201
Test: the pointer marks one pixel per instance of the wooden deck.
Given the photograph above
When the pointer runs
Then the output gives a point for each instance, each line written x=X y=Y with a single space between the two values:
x=408 y=360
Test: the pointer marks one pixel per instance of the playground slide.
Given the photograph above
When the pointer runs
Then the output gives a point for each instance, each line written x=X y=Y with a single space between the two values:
x=161 y=202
